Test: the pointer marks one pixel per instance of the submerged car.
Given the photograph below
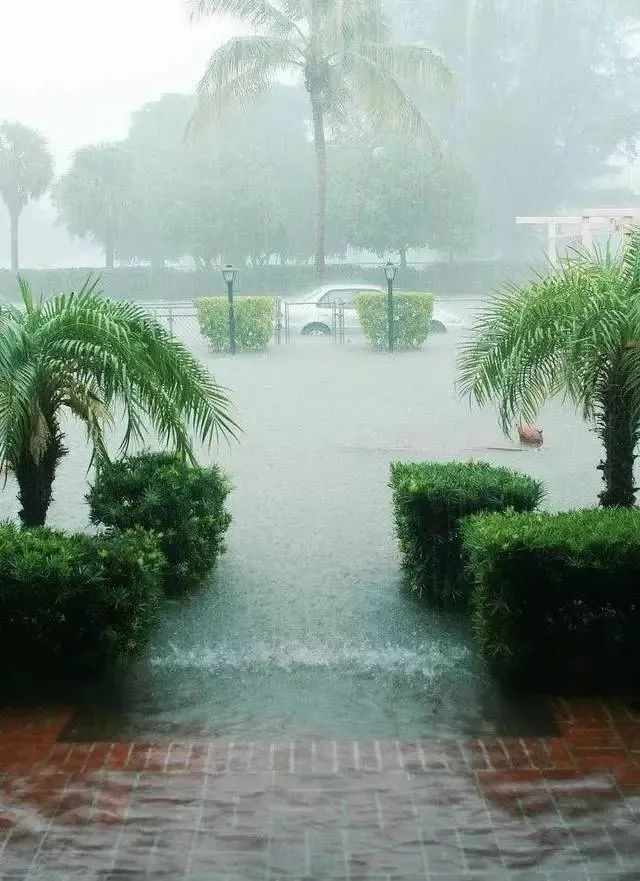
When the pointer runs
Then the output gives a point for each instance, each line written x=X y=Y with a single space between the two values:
x=313 y=314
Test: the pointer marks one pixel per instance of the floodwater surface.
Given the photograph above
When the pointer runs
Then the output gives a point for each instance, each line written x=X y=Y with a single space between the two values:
x=305 y=628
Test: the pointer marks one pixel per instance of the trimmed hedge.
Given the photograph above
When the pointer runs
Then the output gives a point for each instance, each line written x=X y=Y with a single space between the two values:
x=431 y=498
x=255 y=317
x=182 y=503
x=557 y=598
x=471 y=277
x=76 y=601
x=412 y=314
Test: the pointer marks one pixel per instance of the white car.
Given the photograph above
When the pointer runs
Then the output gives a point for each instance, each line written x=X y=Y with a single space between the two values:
x=313 y=314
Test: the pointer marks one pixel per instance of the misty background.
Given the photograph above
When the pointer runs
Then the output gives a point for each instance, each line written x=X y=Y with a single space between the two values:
x=544 y=120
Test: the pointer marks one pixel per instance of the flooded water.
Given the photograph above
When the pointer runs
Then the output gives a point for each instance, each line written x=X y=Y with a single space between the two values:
x=305 y=628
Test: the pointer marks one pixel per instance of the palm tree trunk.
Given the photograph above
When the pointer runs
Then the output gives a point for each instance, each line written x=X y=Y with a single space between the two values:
x=403 y=258
x=35 y=480
x=109 y=248
x=619 y=435
x=15 y=241
x=320 y=145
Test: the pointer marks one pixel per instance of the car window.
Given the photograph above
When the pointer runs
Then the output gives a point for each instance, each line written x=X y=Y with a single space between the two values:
x=345 y=296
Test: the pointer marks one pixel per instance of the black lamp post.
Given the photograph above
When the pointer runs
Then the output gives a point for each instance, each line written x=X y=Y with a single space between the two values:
x=230 y=273
x=390 y=271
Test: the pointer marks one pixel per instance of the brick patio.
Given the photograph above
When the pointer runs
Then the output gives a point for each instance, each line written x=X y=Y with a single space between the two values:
x=565 y=808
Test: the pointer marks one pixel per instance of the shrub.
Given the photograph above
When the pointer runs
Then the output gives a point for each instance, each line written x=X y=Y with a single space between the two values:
x=254 y=322
x=412 y=315
x=431 y=498
x=557 y=598
x=182 y=503
x=76 y=601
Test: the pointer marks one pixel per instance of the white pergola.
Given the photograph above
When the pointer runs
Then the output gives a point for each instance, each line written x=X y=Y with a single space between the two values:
x=584 y=228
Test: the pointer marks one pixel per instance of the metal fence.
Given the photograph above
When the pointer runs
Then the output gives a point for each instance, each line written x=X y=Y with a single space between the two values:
x=181 y=319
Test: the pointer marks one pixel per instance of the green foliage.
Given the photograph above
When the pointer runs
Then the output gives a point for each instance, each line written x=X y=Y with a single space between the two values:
x=254 y=317
x=76 y=601
x=431 y=499
x=164 y=494
x=84 y=355
x=141 y=283
x=399 y=196
x=412 y=315
x=556 y=601
x=532 y=74
x=26 y=171
x=349 y=63
x=94 y=195
x=575 y=332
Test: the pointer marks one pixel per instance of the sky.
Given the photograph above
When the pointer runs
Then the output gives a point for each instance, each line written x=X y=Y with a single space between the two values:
x=75 y=69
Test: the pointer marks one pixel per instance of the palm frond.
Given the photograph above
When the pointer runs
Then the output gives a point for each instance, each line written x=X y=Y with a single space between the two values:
x=415 y=64
x=383 y=99
x=259 y=13
x=240 y=71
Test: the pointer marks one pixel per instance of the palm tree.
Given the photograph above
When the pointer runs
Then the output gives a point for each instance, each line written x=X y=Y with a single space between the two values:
x=343 y=51
x=573 y=332
x=26 y=170
x=88 y=355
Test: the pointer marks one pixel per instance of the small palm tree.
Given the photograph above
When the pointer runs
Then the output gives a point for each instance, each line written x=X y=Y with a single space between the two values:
x=26 y=171
x=343 y=51
x=86 y=355
x=574 y=332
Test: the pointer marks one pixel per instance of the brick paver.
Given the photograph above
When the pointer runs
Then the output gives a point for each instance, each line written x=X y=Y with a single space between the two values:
x=564 y=808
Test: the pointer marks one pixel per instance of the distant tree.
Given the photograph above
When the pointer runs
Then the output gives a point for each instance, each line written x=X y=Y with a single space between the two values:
x=345 y=54
x=26 y=171
x=157 y=212
x=94 y=196
x=548 y=93
x=395 y=196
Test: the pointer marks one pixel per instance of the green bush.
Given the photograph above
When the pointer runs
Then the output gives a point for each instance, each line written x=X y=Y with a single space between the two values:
x=470 y=278
x=76 y=601
x=431 y=498
x=182 y=503
x=557 y=597
x=254 y=322
x=412 y=314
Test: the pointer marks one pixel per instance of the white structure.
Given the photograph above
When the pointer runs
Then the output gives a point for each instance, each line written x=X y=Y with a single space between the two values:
x=582 y=230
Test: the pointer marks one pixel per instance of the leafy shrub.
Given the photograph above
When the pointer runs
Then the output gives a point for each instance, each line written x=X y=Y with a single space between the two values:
x=431 y=498
x=143 y=283
x=412 y=315
x=76 y=601
x=557 y=598
x=254 y=322
x=182 y=503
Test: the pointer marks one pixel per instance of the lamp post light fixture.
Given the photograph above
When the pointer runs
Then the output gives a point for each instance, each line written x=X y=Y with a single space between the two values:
x=390 y=271
x=230 y=274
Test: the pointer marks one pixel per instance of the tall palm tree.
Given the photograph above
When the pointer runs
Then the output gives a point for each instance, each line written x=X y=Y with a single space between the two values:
x=26 y=171
x=343 y=51
x=574 y=332
x=88 y=355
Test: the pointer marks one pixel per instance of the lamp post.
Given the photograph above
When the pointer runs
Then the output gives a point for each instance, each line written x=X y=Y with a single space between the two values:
x=230 y=273
x=390 y=271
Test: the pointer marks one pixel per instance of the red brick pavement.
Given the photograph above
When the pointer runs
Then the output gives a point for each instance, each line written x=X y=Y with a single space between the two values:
x=565 y=808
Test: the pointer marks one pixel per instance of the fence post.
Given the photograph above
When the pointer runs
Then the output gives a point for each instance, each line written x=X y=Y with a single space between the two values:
x=279 y=321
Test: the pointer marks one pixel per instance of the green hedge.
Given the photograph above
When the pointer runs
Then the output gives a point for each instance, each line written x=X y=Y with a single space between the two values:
x=557 y=597
x=76 y=601
x=254 y=317
x=162 y=493
x=471 y=278
x=431 y=498
x=412 y=314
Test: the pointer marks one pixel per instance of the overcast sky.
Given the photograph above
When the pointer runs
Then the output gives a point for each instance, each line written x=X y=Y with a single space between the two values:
x=75 y=69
